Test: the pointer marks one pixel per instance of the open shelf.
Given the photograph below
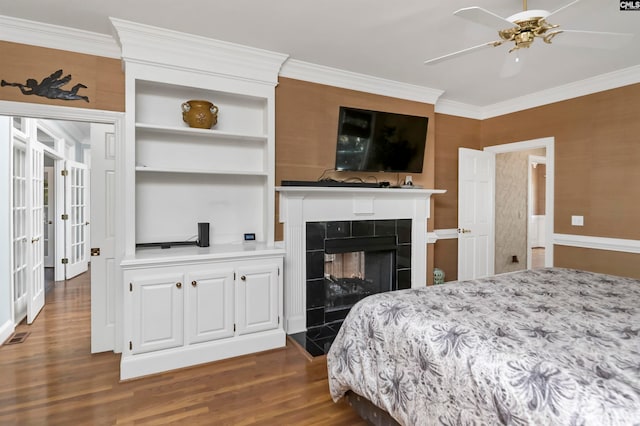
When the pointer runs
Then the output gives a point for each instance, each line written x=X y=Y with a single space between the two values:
x=189 y=131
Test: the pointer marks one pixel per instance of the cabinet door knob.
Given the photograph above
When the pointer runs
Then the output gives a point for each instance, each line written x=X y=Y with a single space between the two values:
x=194 y=283
x=179 y=285
x=243 y=278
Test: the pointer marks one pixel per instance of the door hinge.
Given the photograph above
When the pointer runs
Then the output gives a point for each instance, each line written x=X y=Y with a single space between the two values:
x=278 y=319
x=130 y=345
x=65 y=260
x=234 y=278
x=130 y=287
x=234 y=328
x=278 y=271
x=65 y=217
x=64 y=172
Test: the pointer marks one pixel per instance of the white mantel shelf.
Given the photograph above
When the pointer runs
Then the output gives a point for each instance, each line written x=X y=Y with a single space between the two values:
x=302 y=204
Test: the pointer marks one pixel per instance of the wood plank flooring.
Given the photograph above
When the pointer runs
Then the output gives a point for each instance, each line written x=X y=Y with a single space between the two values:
x=52 y=379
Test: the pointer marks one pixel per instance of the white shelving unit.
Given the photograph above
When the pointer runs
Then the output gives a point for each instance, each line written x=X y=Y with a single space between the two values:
x=176 y=177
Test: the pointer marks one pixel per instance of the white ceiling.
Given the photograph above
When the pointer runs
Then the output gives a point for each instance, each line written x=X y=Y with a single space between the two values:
x=380 y=38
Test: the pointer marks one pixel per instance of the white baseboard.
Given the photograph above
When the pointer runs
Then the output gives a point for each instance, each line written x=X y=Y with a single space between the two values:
x=6 y=330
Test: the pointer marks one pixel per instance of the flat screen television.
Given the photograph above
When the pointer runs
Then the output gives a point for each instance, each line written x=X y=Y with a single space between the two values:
x=376 y=141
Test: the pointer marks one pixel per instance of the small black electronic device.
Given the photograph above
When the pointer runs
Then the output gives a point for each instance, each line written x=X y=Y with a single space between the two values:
x=377 y=141
x=332 y=183
x=250 y=237
x=203 y=234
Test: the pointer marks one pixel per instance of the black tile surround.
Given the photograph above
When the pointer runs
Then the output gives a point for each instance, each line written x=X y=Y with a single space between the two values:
x=322 y=326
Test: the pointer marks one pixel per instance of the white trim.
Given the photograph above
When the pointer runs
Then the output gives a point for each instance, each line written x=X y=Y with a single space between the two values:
x=597 y=243
x=432 y=237
x=575 y=89
x=161 y=47
x=56 y=37
x=459 y=109
x=321 y=74
x=6 y=330
x=549 y=144
x=446 y=234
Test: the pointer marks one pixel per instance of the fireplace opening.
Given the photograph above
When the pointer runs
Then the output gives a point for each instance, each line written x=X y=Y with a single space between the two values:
x=355 y=268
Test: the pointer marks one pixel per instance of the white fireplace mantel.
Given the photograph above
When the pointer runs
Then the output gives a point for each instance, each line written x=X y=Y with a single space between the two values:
x=301 y=204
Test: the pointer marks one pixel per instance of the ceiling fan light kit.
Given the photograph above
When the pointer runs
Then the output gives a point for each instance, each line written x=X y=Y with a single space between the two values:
x=523 y=29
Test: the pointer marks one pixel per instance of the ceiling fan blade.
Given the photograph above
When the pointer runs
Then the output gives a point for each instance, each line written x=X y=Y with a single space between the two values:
x=560 y=9
x=593 y=39
x=462 y=52
x=483 y=17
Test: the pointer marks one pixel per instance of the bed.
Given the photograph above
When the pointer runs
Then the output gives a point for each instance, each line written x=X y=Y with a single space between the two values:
x=537 y=347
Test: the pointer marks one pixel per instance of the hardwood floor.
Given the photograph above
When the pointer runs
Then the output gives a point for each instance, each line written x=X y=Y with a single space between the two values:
x=52 y=379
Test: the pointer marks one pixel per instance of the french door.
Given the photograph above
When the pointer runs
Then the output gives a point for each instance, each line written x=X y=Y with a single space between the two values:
x=36 y=218
x=77 y=213
x=20 y=253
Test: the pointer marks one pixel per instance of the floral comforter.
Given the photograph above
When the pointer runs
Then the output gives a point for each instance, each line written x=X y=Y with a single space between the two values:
x=538 y=347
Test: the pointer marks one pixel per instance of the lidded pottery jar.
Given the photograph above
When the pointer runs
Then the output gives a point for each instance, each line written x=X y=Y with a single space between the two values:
x=199 y=114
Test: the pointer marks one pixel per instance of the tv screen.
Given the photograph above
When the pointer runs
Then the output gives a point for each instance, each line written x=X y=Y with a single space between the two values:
x=376 y=141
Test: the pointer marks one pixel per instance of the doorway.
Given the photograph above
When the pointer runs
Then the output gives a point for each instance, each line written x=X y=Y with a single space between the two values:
x=116 y=122
x=542 y=151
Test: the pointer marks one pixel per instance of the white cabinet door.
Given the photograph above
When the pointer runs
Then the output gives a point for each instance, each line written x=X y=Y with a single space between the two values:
x=257 y=298
x=210 y=310
x=157 y=314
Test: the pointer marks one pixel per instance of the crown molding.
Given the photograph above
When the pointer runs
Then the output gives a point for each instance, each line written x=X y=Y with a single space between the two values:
x=321 y=74
x=575 y=89
x=56 y=37
x=146 y=44
x=445 y=106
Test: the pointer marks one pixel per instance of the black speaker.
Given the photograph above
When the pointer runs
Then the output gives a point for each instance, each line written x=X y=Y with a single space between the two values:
x=203 y=234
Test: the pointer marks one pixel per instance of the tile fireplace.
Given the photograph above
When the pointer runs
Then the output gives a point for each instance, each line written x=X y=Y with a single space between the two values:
x=343 y=244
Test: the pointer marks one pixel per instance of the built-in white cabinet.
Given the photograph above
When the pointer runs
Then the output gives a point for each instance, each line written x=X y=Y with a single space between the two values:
x=185 y=305
x=199 y=310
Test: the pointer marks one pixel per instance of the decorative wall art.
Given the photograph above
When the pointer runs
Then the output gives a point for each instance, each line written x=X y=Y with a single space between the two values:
x=50 y=87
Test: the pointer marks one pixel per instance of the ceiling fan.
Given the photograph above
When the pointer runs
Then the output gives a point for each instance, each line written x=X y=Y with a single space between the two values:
x=524 y=27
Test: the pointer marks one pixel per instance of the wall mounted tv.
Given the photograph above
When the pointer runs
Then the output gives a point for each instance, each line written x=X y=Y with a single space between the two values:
x=376 y=141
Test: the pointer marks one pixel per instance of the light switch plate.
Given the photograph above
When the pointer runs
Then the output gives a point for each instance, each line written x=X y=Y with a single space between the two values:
x=577 y=220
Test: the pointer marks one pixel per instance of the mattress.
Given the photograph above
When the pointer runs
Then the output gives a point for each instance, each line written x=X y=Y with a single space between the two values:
x=547 y=346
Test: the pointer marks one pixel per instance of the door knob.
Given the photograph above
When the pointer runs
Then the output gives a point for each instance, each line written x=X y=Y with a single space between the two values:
x=33 y=240
x=243 y=278
x=194 y=283
x=179 y=285
x=463 y=230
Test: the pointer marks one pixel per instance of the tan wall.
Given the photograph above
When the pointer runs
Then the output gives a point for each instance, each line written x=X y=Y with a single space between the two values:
x=597 y=158
x=451 y=133
x=103 y=77
x=306 y=131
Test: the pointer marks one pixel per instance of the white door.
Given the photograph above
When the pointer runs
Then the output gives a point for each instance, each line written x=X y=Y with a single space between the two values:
x=103 y=233
x=476 y=201
x=35 y=205
x=257 y=298
x=19 y=230
x=49 y=215
x=77 y=211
